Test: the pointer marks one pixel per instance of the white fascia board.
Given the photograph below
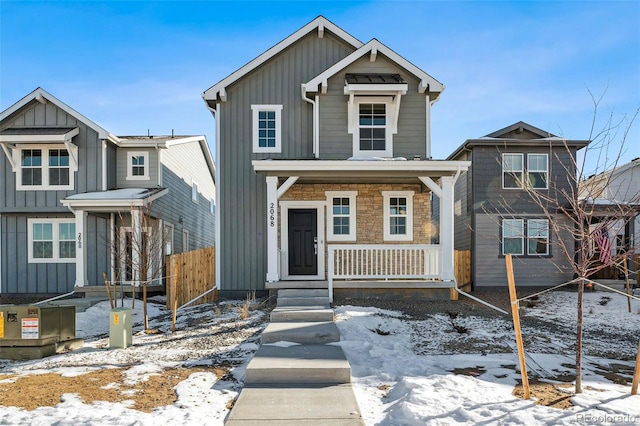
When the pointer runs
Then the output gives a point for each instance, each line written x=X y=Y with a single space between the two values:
x=106 y=203
x=425 y=79
x=141 y=144
x=365 y=165
x=320 y=23
x=39 y=94
x=18 y=139
x=377 y=89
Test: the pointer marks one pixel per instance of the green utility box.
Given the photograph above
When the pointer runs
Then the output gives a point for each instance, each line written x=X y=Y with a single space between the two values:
x=36 y=331
x=120 y=328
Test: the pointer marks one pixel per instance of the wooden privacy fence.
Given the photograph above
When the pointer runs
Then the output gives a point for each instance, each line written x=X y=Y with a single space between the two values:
x=462 y=266
x=195 y=273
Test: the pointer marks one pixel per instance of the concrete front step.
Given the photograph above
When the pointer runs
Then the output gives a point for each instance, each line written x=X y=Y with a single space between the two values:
x=313 y=333
x=296 y=405
x=301 y=314
x=298 y=364
x=303 y=301
x=303 y=292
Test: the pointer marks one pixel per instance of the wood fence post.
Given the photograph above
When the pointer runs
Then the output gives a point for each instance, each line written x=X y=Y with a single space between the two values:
x=516 y=325
x=175 y=297
x=636 y=375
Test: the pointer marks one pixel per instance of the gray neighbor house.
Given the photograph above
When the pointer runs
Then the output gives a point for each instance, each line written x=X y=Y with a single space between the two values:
x=496 y=215
x=325 y=175
x=77 y=201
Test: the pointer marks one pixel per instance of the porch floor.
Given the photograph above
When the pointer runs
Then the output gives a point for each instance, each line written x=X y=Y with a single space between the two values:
x=361 y=284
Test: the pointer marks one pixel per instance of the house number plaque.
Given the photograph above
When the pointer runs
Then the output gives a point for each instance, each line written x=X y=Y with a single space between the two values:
x=79 y=240
x=272 y=215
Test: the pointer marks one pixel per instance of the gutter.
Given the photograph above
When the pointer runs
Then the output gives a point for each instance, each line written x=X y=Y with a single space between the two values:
x=314 y=104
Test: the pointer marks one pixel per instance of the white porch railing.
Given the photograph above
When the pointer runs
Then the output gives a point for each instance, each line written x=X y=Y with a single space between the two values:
x=383 y=262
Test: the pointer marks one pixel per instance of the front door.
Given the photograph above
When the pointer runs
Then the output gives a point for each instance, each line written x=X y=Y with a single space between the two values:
x=303 y=242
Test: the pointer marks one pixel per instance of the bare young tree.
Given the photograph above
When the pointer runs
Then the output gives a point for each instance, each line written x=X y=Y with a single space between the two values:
x=587 y=211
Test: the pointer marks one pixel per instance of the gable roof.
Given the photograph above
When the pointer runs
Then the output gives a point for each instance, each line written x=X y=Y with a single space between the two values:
x=43 y=96
x=320 y=24
x=612 y=172
x=373 y=47
x=501 y=137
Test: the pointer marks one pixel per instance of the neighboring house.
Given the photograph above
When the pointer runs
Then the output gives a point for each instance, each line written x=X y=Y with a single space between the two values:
x=305 y=196
x=495 y=214
x=77 y=201
x=614 y=198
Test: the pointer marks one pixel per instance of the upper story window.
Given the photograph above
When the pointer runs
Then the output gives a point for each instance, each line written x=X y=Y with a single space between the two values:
x=513 y=171
x=51 y=240
x=44 y=168
x=267 y=128
x=398 y=215
x=342 y=215
x=138 y=165
x=538 y=170
x=194 y=192
x=372 y=135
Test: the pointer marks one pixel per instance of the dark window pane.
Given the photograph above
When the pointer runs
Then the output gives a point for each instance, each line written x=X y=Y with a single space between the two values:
x=43 y=249
x=538 y=180
x=512 y=245
x=512 y=180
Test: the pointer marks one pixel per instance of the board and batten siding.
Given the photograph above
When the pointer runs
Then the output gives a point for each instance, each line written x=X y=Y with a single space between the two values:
x=21 y=277
x=87 y=178
x=489 y=266
x=242 y=203
x=336 y=143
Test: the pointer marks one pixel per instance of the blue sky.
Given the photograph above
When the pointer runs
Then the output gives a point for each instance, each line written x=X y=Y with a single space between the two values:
x=141 y=66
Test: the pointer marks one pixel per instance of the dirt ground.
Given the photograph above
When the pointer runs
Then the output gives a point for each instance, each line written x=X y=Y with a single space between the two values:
x=46 y=390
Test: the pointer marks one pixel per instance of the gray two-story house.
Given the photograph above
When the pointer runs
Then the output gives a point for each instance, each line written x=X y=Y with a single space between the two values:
x=495 y=213
x=77 y=201
x=325 y=173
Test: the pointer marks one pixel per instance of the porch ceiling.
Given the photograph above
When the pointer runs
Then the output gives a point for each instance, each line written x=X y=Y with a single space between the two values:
x=365 y=171
x=113 y=200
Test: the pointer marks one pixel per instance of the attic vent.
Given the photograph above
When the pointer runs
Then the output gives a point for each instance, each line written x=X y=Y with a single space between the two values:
x=520 y=129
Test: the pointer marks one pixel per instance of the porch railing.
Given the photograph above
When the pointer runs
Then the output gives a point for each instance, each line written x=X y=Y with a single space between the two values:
x=383 y=262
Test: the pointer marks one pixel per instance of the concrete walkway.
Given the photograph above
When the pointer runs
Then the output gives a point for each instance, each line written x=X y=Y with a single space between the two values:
x=304 y=384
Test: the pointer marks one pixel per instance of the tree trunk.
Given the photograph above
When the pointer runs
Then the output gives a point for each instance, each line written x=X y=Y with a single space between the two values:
x=144 y=306
x=579 y=339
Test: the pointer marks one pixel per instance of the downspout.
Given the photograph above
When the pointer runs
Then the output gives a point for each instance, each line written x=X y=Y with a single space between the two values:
x=428 y=121
x=104 y=165
x=313 y=103
x=216 y=116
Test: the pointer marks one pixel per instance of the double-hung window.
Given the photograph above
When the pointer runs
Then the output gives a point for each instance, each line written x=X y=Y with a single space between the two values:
x=342 y=215
x=538 y=170
x=372 y=134
x=45 y=168
x=536 y=236
x=138 y=165
x=51 y=240
x=398 y=215
x=267 y=128
x=512 y=170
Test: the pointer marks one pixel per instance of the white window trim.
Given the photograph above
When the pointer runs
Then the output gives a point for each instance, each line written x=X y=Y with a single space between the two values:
x=546 y=171
x=185 y=241
x=17 y=159
x=55 y=239
x=351 y=195
x=167 y=236
x=194 y=191
x=130 y=155
x=530 y=237
x=386 y=196
x=390 y=127
x=503 y=171
x=278 y=110
x=212 y=205
x=521 y=221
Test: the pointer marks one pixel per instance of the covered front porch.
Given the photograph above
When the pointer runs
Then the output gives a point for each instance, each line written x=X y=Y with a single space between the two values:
x=360 y=225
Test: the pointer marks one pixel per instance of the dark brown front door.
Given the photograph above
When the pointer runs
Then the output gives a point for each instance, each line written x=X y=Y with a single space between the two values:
x=303 y=234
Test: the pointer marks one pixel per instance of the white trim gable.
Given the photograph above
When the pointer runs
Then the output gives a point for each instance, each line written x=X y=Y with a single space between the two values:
x=321 y=24
x=427 y=83
x=43 y=97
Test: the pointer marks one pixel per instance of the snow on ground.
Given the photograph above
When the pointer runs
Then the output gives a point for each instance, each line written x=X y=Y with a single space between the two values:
x=402 y=368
